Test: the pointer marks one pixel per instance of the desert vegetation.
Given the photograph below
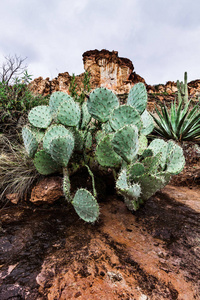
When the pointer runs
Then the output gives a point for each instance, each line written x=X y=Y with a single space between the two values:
x=120 y=216
x=65 y=133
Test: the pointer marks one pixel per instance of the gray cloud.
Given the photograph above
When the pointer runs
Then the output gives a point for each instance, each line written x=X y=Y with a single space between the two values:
x=160 y=37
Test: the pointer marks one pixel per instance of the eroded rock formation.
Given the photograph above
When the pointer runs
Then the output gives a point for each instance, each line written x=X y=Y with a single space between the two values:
x=109 y=70
x=106 y=69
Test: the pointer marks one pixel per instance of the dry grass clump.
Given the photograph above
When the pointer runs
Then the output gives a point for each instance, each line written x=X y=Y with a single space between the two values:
x=17 y=171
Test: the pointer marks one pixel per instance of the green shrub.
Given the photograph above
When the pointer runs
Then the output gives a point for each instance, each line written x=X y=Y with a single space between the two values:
x=79 y=94
x=17 y=98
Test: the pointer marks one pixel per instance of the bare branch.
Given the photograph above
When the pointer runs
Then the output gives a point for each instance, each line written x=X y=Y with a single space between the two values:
x=12 y=68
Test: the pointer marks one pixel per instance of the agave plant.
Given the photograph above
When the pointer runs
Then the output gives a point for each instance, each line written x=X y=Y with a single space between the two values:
x=181 y=122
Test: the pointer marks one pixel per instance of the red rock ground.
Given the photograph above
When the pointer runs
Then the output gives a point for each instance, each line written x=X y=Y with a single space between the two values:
x=47 y=252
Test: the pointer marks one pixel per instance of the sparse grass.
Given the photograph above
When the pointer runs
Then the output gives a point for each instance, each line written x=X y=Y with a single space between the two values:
x=17 y=171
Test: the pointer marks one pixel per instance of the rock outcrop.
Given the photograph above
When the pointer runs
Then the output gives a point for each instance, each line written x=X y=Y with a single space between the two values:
x=106 y=69
x=47 y=191
x=109 y=70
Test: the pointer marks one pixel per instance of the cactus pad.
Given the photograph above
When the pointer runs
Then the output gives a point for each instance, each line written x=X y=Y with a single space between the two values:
x=125 y=142
x=125 y=115
x=175 y=159
x=30 y=141
x=86 y=205
x=101 y=103
x=149 y=185
x=99 y=135
x=86 y=117
x=132 y=205
x=151 y=163
x=105 y=154
x=147 y=153
x=56 y=99
x=107 y=128
x=88 y=140
x=131 y=197
x=44 y=163
x=40 y=116
x=130 y=193
x=135 y=170
x=147 y=123
x=157 y=146
x=61 y=149
x=39 y=133
x=143 y=142
x=69 y=113
x=53 y=132
x=78 y=138
x=137 y=97
x=121 y=183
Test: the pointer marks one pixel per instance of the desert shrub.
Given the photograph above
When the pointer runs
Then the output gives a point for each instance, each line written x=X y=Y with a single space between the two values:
x=17 y=171
x=15 y=97
x=65 y=136
x=79 y=93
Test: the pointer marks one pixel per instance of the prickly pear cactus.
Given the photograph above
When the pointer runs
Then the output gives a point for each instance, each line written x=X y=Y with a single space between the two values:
x=125 y=115
x=69 y=113
x=86 y=205
x=125 y=142
x=105 y=153
x=101 y=104
x=66 y=135
x=40 y=116
x=137 y=97
x=30 y=141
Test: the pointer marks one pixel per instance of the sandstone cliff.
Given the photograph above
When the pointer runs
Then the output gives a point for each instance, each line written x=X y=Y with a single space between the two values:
x=106 y=69
x=109 y=70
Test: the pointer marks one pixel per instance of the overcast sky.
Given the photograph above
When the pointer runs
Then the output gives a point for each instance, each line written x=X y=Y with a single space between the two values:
x=161 y=38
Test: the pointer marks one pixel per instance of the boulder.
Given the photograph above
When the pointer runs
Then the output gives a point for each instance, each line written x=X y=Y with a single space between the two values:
x=48 y=190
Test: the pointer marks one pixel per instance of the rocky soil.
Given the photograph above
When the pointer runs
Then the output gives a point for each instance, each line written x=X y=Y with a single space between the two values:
x=47 y=252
